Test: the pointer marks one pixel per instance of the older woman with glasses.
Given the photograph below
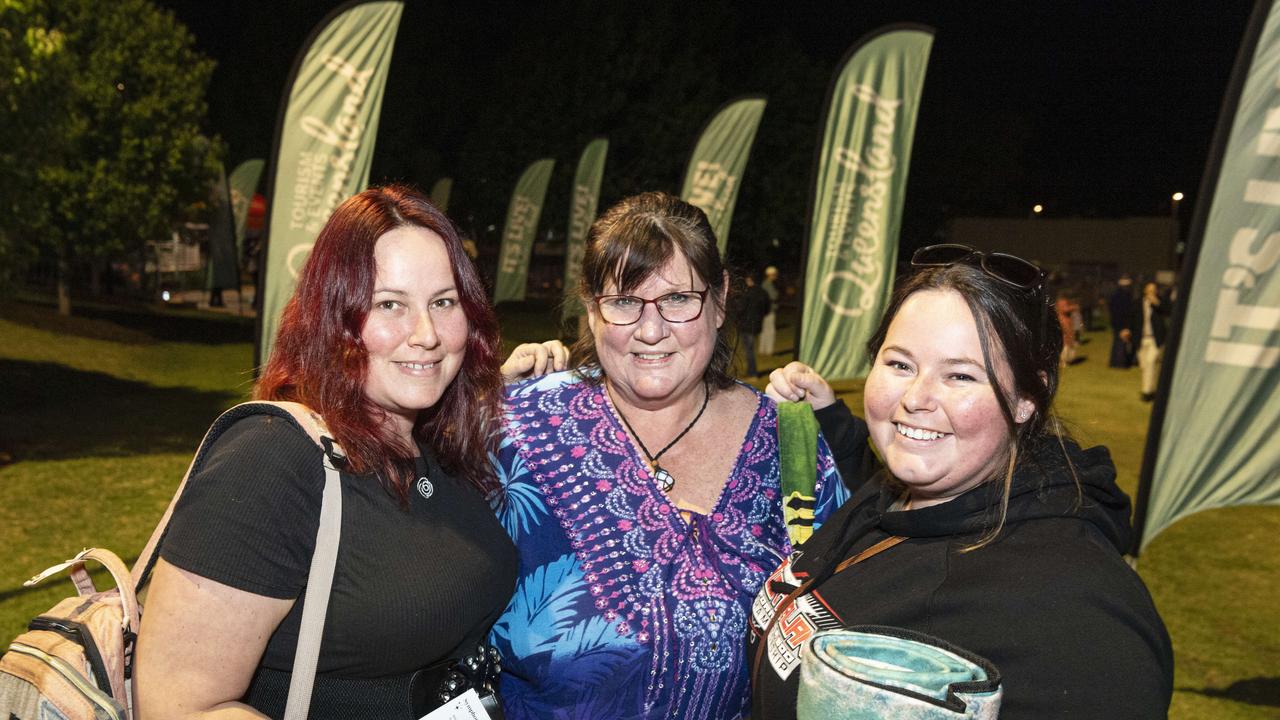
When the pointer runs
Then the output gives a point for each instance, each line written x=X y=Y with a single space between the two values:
x=987 y=527
x=642 y=489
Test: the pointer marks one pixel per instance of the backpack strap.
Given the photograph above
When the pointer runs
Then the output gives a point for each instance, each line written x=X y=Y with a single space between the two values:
x=315 y=602
x=798 y=464
x=324 y=560
x=85 y=586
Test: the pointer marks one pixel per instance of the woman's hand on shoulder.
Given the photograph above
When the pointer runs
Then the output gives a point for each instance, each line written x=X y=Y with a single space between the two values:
x=200 y=644
x=796 y=381
x=534 y=360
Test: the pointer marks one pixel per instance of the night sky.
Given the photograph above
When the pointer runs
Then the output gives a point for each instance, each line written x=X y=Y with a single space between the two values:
x=1093 y=108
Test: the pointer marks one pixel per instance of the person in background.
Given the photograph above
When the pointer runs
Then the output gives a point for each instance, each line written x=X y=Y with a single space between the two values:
x=390 y=338
x=1065 y=306
x=642 y=489
x=1076 y=313
x=769 y=328
x=469 y=247
x=1119 y=312
x=987 y=527
x=753 y=307
x=1090 y=299
x=1151 y=322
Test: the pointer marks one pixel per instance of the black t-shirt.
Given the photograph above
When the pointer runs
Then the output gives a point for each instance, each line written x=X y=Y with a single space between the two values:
x=411 y=587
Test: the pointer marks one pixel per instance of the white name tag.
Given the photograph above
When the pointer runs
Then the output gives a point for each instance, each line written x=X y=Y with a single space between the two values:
x=464 y=707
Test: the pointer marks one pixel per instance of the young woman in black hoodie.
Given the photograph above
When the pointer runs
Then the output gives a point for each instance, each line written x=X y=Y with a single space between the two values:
x=1011 y=534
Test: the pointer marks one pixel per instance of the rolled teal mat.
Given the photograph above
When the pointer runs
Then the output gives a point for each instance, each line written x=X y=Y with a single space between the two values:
x=870 y=672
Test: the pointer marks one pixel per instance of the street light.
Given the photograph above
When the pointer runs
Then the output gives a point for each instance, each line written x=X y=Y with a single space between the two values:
x=1178 y=247
x=1037 y=208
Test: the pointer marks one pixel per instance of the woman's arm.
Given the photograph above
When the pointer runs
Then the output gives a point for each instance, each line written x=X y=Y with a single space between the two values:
x=199 y=646
x=534 y=360
x=849 y=439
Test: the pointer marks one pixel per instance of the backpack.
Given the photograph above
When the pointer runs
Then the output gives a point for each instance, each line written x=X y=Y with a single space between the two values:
x=72 y=661
x=75 y=662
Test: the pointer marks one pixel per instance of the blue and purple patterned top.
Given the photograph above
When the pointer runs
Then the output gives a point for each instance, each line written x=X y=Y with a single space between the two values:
x=623 y=609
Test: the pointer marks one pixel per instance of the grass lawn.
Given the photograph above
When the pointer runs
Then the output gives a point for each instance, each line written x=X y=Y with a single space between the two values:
x=100 y=413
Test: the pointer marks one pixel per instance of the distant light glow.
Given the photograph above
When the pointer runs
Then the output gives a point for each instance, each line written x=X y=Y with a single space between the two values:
x=1177 y=197
x=1037 y=209
x=120 y=86
x=164 y=295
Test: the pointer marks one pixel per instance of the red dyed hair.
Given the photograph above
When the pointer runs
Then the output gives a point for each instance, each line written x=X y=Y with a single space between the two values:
x=320 y=361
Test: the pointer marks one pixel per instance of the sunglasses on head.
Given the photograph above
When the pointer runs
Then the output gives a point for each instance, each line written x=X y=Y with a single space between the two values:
x=1008 y=269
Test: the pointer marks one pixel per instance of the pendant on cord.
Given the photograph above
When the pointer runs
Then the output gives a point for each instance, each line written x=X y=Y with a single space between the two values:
x=662 y=477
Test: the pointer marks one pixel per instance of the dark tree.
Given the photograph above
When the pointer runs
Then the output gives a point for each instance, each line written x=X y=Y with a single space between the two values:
x=102 y=105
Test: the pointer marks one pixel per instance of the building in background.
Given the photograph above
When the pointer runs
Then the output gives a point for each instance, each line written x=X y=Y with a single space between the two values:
x=1093 y=249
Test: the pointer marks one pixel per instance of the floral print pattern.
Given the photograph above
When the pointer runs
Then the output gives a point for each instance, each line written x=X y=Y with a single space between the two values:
x=624 y=609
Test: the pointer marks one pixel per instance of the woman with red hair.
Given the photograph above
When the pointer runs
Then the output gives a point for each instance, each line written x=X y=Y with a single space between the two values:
x=389 y=337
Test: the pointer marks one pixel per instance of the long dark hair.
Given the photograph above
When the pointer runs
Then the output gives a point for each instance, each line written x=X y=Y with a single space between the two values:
x=320 y=361
x=1014 y=324
x=633 y=240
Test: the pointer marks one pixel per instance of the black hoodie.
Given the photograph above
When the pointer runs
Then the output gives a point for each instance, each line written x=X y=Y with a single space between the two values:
x=1050 y=602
